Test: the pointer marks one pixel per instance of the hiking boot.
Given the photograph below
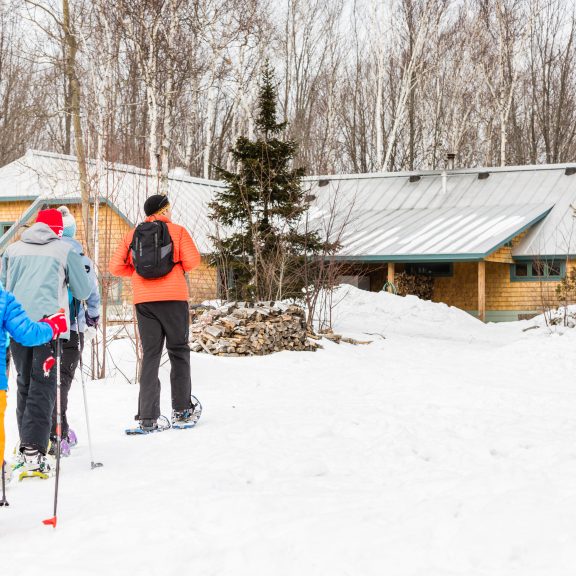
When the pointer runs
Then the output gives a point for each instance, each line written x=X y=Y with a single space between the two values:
x=148 y=424
x=71 y=438
x=189 y=417
x=35 y=463
x=64 y=447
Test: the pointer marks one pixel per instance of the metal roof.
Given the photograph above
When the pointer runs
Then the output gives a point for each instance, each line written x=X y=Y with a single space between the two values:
x=459 y=215
x=443 y=234
x=54 y=177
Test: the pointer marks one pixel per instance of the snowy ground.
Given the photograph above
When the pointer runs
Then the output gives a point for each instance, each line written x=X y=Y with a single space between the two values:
x=447 y=448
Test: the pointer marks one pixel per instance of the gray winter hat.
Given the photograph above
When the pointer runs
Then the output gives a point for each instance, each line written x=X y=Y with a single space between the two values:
x=69 y=222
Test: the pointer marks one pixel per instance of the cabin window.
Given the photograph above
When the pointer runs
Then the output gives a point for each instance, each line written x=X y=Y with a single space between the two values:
x=114 y=288
x=4 y=227
x=555 y=268
x=538 y=270
x=433 y=269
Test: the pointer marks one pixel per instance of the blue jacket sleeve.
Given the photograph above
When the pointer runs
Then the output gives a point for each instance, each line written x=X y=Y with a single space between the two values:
x=21 y=328
x=93 y=301
x=78 y=281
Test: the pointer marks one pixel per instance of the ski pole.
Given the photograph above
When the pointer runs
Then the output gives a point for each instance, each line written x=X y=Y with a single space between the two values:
x=52 y=521
x=92 y=463
x=4 y=502
x=85 y=396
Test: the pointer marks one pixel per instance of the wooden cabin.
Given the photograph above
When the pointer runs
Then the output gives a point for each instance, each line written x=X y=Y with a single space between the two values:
x=41 y=179
x=496 y=242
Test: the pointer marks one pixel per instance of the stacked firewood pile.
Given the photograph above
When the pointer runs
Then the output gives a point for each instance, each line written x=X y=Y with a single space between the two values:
x=239 y=329
x=417 y=285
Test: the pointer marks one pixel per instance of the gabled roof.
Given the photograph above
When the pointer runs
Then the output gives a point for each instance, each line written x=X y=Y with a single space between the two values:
x=399 y=216
x=54 y=177
x=457 y=215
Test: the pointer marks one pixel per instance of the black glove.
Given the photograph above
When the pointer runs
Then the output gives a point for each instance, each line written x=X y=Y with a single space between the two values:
x=92 y=321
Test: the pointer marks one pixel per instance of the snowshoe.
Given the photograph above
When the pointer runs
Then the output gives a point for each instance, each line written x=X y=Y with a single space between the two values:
x=71 y=438
x=35 y=465
x=187 y=418
x=149 y=426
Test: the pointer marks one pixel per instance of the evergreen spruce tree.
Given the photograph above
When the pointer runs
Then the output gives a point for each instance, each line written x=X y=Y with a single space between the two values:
x=261 y=210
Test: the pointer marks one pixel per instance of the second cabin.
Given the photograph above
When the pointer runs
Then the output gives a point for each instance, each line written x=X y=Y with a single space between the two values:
x=494 y=242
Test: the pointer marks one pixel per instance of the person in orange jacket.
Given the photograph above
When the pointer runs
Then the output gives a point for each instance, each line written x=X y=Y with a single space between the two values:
x=163 y=316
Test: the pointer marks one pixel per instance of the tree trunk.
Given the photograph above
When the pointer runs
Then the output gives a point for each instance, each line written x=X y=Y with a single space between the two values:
x=210 y=114
x=71 y=47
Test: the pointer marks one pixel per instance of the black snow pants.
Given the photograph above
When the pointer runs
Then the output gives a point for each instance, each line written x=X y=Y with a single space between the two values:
x=160 y=322
x=68 y=366
x=36 y=393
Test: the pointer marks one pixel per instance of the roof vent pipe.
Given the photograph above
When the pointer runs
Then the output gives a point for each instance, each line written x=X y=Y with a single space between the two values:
x=449 y=166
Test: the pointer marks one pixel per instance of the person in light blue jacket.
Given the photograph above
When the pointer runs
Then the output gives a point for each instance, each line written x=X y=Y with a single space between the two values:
x=83 y=314
x=39 y=269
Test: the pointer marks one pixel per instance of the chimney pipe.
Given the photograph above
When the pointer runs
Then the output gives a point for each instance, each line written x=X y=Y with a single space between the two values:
x=450 y=157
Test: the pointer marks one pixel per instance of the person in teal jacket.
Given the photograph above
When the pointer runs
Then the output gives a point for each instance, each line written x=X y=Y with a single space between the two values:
x=82 y=314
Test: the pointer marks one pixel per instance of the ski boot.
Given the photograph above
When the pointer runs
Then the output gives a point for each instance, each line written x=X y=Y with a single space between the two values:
x=36 y=464
x=187 y=418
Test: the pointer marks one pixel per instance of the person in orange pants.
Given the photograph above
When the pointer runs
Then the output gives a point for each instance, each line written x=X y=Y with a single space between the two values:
x=3 y=402
x=2 y=433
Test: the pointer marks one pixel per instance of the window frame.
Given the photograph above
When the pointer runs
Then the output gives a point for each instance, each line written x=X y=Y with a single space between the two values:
x=115 y=289
x=6 y=224
x=448 y=274
x=546 y=263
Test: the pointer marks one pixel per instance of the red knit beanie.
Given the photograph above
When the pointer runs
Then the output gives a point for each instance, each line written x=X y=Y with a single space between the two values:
x=54 y=219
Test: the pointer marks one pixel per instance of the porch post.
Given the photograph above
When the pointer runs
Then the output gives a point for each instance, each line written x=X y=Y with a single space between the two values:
x=391 y=272
x=482 y=290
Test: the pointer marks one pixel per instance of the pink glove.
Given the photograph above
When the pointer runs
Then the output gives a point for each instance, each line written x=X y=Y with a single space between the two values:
x=57 y=323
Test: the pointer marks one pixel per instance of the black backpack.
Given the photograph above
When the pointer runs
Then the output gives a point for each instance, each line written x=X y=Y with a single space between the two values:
x=152 y=249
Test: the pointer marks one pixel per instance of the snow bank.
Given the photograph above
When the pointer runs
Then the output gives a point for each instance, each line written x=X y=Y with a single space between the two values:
x=555 y=320
x=361 y=312
x=445 y=449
